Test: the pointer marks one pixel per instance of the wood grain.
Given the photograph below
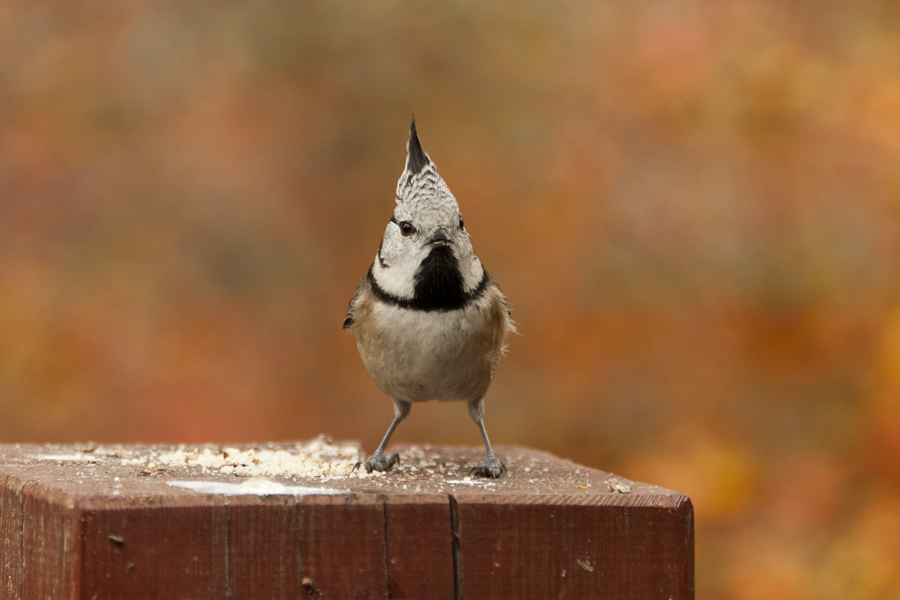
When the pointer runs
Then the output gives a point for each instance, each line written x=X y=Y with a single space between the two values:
x=263 y=542
x=11 y=536
x=126 y=549
x=526 y=547
x=420 y=546
x=342 y=549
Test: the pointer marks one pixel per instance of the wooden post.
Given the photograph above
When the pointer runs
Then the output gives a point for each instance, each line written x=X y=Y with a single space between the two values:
x=106 y=522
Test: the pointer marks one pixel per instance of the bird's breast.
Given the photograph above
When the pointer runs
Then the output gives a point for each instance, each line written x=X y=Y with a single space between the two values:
x=416 y=355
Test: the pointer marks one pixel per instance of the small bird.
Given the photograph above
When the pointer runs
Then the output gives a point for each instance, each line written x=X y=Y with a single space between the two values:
x=429 y=322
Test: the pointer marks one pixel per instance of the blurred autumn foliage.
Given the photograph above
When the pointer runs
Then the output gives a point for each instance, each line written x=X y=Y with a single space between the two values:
x=693 y=207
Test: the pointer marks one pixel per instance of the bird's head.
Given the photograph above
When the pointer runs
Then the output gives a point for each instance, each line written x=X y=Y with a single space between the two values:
x=426 y=249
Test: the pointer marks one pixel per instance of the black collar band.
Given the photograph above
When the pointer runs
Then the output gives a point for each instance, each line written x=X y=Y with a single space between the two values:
x=421 y=304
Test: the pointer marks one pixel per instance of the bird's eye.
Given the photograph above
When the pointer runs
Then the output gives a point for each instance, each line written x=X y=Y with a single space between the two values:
x=406 y=228
x=461 y=226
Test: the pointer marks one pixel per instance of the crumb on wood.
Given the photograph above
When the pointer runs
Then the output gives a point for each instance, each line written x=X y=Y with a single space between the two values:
x=309 y=587
x=585 y=564
x=619 y=487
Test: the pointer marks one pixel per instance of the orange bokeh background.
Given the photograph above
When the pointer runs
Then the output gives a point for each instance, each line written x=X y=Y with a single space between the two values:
x=693 y=208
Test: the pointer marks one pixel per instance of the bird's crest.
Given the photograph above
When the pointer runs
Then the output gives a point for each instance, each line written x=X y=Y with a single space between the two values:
x=420 y=180
x=416 y=159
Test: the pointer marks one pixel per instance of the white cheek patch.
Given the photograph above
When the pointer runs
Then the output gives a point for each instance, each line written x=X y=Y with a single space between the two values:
x=397 y=280
x=472 y=273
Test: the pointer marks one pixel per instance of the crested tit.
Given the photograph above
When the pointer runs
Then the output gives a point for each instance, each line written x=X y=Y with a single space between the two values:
x=429 y=322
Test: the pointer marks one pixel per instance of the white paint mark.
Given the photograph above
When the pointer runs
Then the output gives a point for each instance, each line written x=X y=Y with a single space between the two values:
x=255 y=486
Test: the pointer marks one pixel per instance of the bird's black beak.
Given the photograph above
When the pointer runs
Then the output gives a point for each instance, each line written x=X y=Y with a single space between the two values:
x=440 y=238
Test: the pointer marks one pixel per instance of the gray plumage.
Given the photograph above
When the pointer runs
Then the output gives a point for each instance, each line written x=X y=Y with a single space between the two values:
x=429 y=322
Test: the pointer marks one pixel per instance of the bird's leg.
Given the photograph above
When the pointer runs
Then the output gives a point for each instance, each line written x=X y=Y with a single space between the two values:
x=492 y=467
x=379 y=462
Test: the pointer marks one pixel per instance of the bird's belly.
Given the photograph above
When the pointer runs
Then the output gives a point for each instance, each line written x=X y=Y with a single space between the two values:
x=417 y=356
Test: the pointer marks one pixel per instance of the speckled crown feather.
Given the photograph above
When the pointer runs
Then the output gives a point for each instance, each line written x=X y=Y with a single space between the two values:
x=420 y=180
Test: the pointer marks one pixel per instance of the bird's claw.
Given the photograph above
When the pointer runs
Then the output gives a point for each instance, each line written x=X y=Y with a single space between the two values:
x=381 y=463
x=491 y=469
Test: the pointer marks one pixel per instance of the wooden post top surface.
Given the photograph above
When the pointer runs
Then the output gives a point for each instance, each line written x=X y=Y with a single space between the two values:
x=120 y=475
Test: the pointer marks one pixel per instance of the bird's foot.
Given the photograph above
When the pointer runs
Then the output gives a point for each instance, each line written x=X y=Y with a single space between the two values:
x=492 y=469
x=379 y=462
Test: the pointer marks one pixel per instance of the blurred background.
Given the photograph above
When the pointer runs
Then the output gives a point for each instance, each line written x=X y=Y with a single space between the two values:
x=693 y=208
